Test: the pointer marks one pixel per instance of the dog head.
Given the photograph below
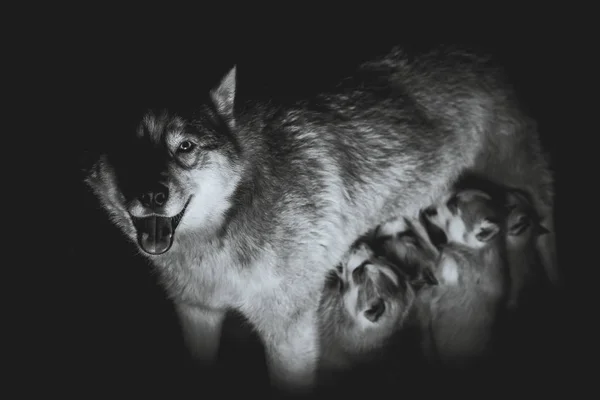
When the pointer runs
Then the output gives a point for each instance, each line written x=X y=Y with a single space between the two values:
x=172 y=173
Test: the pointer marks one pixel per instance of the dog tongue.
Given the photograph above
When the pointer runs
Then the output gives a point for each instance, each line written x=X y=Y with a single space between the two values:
x=155 y=234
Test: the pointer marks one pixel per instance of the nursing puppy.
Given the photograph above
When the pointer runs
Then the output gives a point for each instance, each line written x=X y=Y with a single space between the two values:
x=365 y=304
x=473 y=278
x=523 y=229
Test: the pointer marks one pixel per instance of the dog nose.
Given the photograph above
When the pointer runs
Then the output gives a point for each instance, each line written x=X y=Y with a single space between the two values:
x=156 y=197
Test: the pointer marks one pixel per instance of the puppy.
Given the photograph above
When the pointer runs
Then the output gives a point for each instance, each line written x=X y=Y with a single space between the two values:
x=523 y=229
x=472 y=275
x=366 y=303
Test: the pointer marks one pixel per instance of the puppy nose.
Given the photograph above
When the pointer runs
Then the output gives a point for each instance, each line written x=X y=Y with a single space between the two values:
x=156 y=197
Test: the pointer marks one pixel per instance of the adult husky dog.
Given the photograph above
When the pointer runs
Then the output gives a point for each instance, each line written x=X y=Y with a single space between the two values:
x=249 y=207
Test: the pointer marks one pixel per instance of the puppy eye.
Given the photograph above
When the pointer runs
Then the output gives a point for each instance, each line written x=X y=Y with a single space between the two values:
x=186 y=146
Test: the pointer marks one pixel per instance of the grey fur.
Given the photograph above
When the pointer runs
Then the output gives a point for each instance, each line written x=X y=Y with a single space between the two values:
x=293 y=187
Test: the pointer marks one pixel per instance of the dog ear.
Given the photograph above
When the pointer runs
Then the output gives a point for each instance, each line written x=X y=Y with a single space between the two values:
x=487 y=230
x=223 y=96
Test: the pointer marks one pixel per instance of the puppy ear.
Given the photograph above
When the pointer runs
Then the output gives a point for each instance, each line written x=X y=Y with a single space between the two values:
x=333 y=282
x=436 y=235
x=425 y=278
x=429 y=277
x=515 y=197
x=519 y=225
x=428 y=212
x=542 y=230
x=375 y=310
x=223 y=96
x=452 y=204
x=487 y=230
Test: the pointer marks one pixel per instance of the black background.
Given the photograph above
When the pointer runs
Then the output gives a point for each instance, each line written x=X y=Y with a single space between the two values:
x=121 y=330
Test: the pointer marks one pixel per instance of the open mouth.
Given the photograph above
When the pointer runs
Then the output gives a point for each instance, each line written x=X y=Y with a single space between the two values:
x=155 y=233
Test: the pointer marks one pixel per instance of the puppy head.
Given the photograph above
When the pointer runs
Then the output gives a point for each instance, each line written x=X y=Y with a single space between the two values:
x=522 y=220
x=405 y=244
x=468 y=217
x=375 y=294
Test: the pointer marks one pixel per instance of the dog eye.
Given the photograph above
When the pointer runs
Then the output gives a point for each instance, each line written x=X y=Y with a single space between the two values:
x=186 y=146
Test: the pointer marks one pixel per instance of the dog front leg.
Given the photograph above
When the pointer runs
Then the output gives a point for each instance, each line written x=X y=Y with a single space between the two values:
x=201 y=328
x=292 y=355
